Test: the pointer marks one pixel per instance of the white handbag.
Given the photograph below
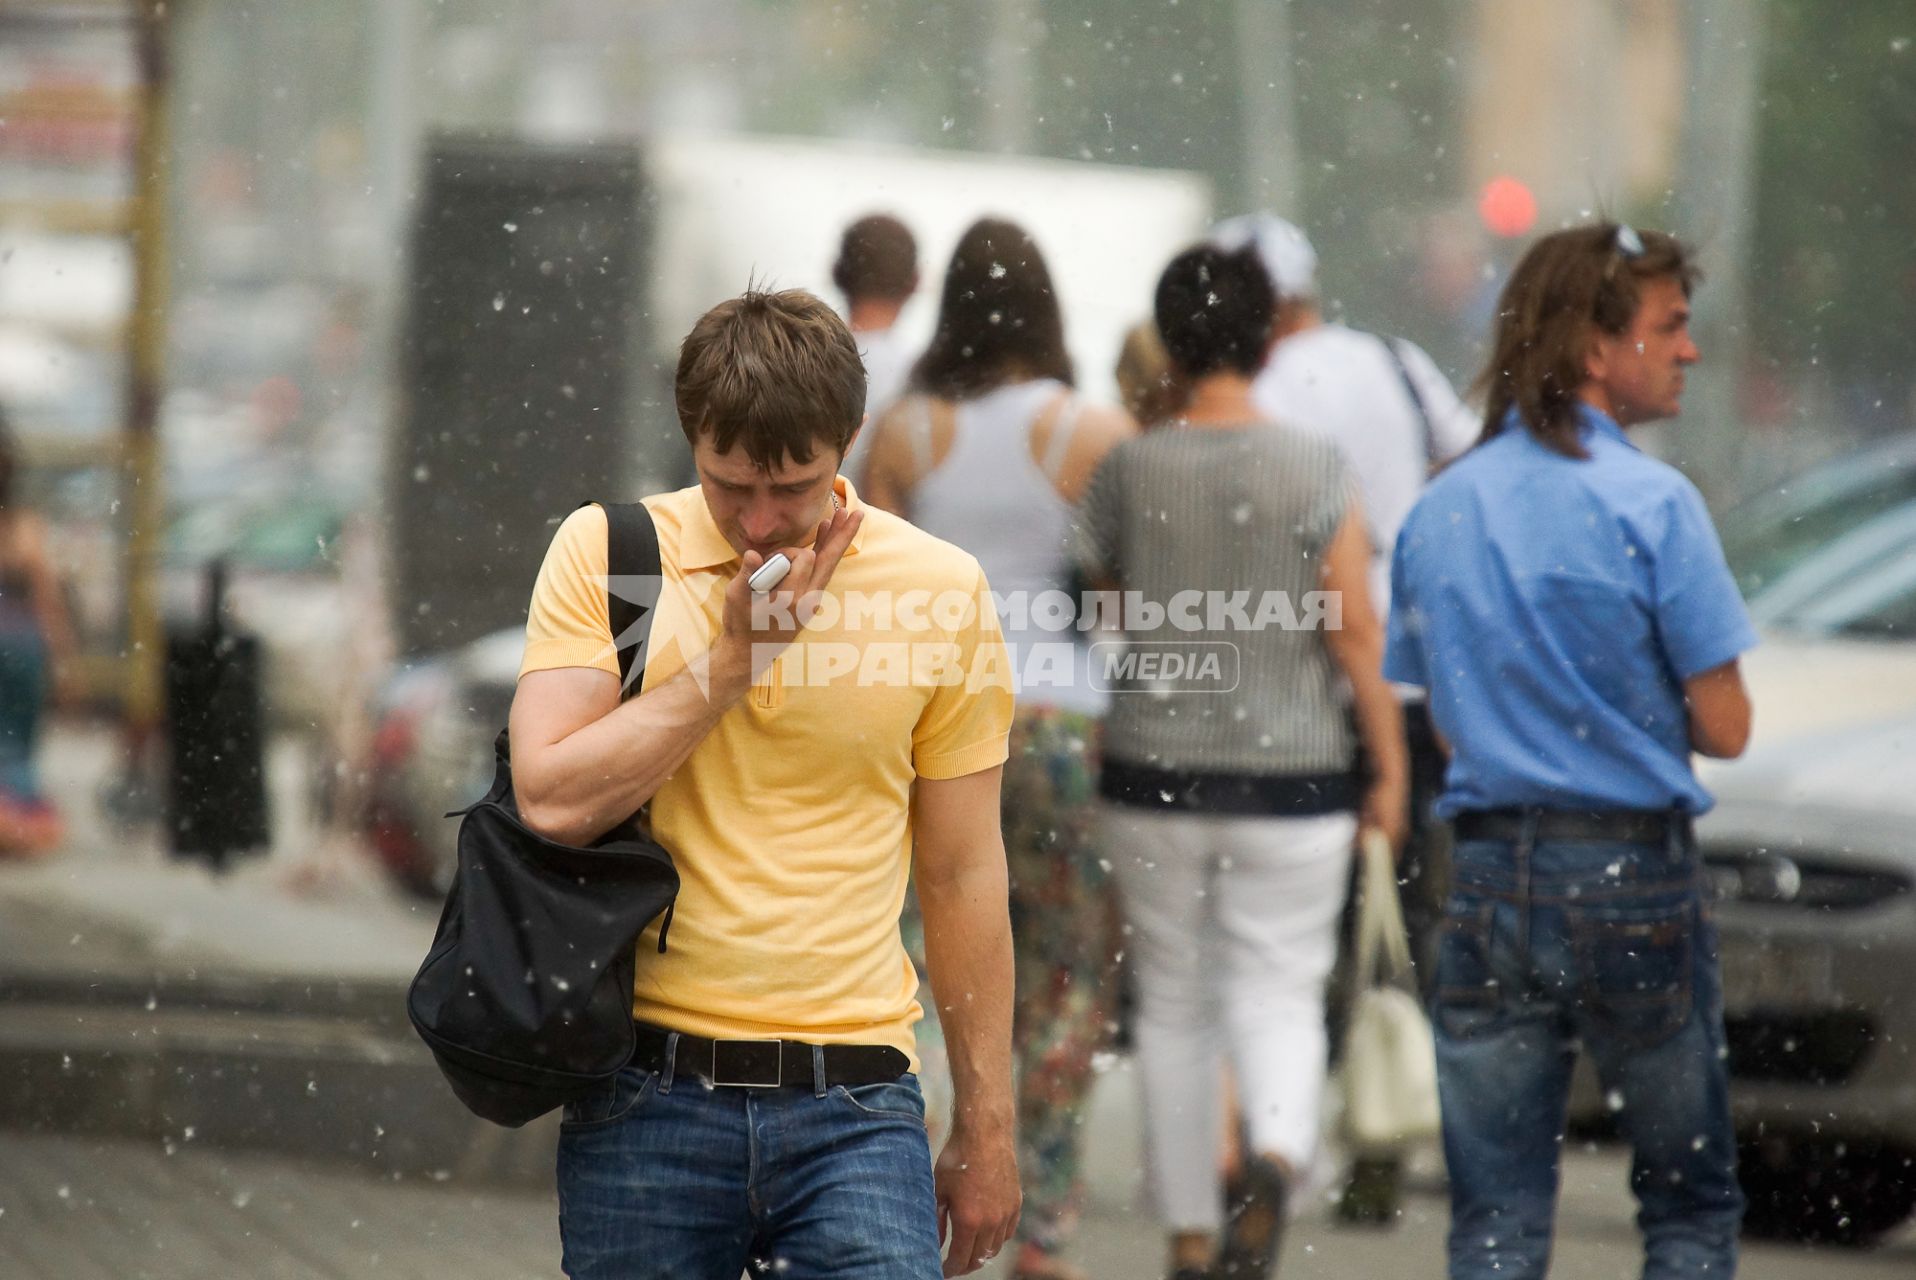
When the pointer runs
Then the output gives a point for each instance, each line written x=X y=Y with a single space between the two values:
x=1390 y=1060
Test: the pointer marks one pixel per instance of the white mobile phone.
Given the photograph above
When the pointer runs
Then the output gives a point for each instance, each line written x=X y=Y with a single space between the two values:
x=771 y=573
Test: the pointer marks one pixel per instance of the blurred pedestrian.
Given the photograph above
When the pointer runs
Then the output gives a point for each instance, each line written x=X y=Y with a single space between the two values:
x=1145 y=386
x=769 y=1115
x=877 y=271
x=1395 y=418
x=1564 y=599
x=1231 y=819
x=990 y=451
x=1386 y=405
x=37 y=651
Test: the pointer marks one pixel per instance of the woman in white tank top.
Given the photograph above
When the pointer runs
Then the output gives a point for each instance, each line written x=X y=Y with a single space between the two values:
x=990 y=449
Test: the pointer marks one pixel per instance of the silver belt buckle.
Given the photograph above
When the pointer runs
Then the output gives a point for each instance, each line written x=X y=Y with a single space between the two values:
x=748 y=1064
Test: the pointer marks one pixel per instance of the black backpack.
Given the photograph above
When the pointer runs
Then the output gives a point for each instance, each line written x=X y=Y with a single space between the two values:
x=526 y=996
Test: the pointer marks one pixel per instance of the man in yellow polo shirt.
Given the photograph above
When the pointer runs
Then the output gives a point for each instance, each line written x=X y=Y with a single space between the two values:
x=800 y=751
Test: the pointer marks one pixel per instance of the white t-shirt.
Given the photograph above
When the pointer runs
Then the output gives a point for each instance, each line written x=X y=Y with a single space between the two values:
x=888 y=363
x=1342 y=383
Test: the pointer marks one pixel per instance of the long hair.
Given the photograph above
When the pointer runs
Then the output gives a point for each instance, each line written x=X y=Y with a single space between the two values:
x=998 y=317
x=1570 y=286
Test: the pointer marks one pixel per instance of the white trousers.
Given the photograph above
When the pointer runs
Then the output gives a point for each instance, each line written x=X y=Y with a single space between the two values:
x=1233 y=924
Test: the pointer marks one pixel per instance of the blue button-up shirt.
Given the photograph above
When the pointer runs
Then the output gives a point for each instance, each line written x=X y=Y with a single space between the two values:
x=1553 y=608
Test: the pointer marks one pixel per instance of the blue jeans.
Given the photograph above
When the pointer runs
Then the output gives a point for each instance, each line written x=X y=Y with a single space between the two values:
x=1548 y=944
x=673 y=1178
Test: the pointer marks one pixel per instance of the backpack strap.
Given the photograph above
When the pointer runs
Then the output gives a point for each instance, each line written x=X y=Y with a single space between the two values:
x=633 y=581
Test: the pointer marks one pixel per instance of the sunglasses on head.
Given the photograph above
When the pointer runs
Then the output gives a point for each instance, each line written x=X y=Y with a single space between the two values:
x=1626 y=245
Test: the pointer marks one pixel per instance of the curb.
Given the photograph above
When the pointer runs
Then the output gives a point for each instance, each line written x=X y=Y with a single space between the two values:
x=120 y=1041
x=319 y=1088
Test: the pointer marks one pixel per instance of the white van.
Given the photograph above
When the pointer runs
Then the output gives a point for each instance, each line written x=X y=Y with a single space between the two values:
x=732 y=209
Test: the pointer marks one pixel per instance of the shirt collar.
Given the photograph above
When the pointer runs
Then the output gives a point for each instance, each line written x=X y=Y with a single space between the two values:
x=1597 y=422
x=1590 y=421
x=702 y=546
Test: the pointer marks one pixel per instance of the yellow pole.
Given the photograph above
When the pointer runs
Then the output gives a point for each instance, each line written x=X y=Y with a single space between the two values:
x=143 y=501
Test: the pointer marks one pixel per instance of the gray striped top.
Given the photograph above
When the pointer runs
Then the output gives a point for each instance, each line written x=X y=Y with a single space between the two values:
x=1241 y=515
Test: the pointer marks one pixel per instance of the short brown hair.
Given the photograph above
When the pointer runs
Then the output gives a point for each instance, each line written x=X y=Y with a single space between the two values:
x=1568 y=285
x=877 y=258
x=779 y=371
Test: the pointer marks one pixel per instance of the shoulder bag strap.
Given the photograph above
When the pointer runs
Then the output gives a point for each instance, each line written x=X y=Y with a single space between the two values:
x=633 y=581
x=1396 y=354
x=1381 y=936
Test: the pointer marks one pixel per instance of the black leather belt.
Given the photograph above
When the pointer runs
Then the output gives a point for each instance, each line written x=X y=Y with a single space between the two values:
x=765 y=1064
x=1621 y=826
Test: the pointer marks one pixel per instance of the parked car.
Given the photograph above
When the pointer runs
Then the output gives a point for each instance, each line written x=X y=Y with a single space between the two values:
x=1812 y=862
x=1811 y=857
x=1768 y=535
x=434 y=725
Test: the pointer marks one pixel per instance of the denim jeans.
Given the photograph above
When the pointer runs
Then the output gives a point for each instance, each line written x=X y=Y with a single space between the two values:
x=671 y=1177
x=1545 y=945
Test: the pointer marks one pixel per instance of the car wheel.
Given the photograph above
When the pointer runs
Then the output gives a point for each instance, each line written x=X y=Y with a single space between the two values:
x=1825 y=1190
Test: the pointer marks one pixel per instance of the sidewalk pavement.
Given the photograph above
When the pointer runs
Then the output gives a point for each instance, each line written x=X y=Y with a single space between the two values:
x=263 y=1008
x=254 y=1022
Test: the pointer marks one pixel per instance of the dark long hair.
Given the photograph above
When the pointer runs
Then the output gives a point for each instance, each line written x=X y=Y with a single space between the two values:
x=1568 y=284
x=998 y=317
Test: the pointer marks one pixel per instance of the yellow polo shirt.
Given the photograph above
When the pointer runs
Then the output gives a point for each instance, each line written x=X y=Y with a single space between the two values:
x=791 y=822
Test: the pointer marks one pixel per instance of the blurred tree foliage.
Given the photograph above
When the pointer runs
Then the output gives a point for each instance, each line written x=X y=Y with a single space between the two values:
x=1377 y=86
x=1376 y=100
x=1378 y=110
x=1833 y=276
x=1148 y=85
x=1380 y=122
x=1379 y=95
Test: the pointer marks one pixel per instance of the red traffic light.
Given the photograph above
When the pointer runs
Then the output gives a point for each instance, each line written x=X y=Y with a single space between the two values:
x=1507 y=207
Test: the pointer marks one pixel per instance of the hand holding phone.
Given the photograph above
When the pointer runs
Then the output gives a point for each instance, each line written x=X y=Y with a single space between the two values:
x=800 y=573
x=770 y=574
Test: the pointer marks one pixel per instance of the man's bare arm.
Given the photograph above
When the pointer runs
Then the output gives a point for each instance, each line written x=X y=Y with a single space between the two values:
x=1719 y=707
x=1357 y=646
x=959 y=862
x=581 y=763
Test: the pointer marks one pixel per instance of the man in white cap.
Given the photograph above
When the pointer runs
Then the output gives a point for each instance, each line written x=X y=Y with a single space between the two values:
x=1395 y=418
x=1391 y=411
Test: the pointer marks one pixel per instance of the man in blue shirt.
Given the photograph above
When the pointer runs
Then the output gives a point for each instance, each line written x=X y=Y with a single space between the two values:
x=1563 y=598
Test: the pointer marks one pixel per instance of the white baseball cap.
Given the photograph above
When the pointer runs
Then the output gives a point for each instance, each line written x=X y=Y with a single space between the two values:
x=1284 y=250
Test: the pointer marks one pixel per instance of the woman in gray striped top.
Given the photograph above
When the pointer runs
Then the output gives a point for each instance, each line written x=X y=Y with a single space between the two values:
x=1231 y=802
